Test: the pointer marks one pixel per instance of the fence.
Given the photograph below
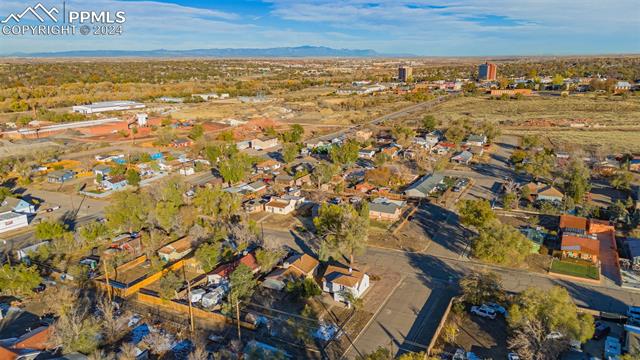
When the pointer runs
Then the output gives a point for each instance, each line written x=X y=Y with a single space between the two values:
x=443 y=321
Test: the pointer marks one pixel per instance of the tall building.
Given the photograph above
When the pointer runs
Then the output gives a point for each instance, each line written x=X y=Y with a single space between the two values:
x=487 y=71
x=404 y=73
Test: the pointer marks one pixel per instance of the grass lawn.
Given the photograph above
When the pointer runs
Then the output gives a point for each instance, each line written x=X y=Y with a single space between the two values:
x=573 y=268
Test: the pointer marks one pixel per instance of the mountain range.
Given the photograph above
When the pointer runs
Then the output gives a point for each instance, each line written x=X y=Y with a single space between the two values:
x=298 y=51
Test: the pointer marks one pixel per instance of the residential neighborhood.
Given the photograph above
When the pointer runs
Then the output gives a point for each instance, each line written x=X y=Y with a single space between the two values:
x=312 y=202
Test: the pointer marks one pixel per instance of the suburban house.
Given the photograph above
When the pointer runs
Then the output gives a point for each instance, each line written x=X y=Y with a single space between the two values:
x=580 y=247
x=364 y=187
x=443 y=147
x=425 y=186
x=391 y=150
x=176 y=250
x=622 y=86
x=463 y=157
x=262 y=143
x=303 y=265
x=280 y=206
x=338 y=279
x=60 y=176
x=295 y=267
x=13 y=214
x=114 y=183
x=268 y=165
x=252 y=189
x=26 y=346
x=102 y=170
x=544 y=192
x=581 y=237
x=476 y=140
x=385 y=209
x=17 y=205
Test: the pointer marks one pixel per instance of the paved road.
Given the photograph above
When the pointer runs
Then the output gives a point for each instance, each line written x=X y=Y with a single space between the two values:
x=405 y=111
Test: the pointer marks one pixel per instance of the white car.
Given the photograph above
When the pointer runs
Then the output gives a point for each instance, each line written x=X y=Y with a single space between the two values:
x=484 y=312
x=513 y=356
x=135 y=318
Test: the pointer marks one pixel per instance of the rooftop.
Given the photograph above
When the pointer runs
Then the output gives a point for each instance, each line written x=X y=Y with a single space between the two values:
x=343 y=276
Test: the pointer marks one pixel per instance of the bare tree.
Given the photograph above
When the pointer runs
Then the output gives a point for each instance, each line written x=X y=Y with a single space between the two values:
x=531 y=342
x=112 y=326
x=157 y=343
x=127 y=352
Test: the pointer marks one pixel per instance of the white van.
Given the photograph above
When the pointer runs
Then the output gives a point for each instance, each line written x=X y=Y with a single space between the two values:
x=196 y=295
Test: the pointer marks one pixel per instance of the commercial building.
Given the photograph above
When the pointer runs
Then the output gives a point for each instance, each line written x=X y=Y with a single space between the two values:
x=487 y=71
x=404 y=73
x=107 y=106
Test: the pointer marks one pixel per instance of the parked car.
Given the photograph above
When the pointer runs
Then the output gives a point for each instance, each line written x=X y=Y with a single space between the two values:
x=459 y=355
x=555 y=335
x=513 y=356
x=602 y=330
x=135 y=318
x=483 y=312
x=497 y=307
x=634 y=312
x=40 y=288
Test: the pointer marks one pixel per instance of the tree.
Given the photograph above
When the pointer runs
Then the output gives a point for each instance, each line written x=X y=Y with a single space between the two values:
x=303 y=288
x=341 y=230
x=112 y=325
x=509 y=200
x=622 y=180
x=501 y=244
x=215 y=203
x=381 y=353
x=19 y=279
x=531 y=141
x=242 y=284
x=157 y=343
x=481 y=287
x=268 y=259
x=476 y=213
x=344 y=154
x=76 y=331
x=403 y=134
x=455 y=133
x=289 y=152
x=554 y=310
x=4 y=193
x=94 y=232
x=578 y=181
x=351 y=299
x=197 y=131
x=324 y=172
x=128 y=211
x=133 y=177
x=617 y=211
x=208 y=255
x=50 y=230
x=429 y=123
x=381 y=158
x=235 y=167
x=541 y=163
x=531 y=342
x=169 y=284
x=558 y=80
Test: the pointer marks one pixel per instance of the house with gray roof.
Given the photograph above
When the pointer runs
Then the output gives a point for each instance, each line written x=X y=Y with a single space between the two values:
x=425 y=186
x=384 y=209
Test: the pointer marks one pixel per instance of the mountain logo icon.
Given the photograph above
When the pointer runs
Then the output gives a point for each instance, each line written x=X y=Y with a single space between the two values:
x=35 y=11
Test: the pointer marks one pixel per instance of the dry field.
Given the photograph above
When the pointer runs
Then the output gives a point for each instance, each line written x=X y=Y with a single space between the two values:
x=611 y=123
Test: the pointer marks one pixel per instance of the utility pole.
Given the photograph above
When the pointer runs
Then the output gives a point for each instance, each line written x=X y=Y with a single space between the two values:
x=106 y=277
x=6 y=252
x=238 y=319
x=192 y=327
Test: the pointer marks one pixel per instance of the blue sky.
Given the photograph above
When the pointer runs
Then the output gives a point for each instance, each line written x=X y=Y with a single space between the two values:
x=436 y=28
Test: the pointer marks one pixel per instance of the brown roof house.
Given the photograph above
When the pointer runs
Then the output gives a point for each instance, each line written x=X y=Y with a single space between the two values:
x=580 y=247
x=176 y=250
x=581 y=237
x=27 y=346
x=544 y=192
x=338 y=279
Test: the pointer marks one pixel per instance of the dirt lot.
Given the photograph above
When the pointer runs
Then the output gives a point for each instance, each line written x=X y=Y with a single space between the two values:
x=485 y=337
x=611 y=122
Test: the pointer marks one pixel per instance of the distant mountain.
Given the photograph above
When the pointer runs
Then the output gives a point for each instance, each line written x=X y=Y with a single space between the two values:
x=299 y=51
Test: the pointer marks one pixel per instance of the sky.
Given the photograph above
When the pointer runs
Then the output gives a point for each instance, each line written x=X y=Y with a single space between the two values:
x=426 y=28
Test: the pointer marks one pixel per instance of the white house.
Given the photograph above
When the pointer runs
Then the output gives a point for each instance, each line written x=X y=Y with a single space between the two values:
x=280 y=206
x=476 y=140
x=11 y=221
x=338 y=279
x=264 y=143
x=186 y=171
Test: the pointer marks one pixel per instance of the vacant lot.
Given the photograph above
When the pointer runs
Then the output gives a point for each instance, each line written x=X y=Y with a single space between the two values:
x=610 y=122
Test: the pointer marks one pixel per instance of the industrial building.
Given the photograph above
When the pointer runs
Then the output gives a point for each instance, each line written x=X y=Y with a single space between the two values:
x=107 y=106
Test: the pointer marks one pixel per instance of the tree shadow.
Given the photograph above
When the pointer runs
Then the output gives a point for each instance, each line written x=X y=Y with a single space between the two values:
x=592 y=298
x=442 y=227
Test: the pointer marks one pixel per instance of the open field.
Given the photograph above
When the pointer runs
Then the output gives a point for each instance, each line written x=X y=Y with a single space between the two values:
x=609 y=123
